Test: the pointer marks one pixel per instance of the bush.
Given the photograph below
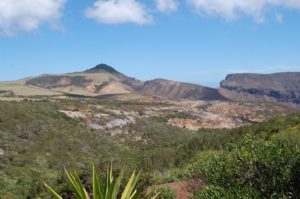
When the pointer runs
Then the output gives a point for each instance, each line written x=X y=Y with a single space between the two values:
x=166 y=193
x=215 y=192
x=191 y=170
x=270 y=167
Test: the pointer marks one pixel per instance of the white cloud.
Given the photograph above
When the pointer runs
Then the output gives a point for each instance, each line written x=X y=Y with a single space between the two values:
x=279 y=18
x=119 y=11
x=231 y=9
x=167 y=5
x=28 y=15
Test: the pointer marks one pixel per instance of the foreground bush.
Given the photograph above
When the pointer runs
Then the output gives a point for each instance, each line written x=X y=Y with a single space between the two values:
x=109 y=190
x=215 y=192
x=166 y=193
x=269 y=168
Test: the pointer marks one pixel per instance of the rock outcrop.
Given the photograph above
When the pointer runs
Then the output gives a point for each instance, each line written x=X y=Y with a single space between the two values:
x=278 y=87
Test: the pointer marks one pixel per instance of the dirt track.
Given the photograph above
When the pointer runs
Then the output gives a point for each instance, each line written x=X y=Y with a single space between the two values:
x=184 y=189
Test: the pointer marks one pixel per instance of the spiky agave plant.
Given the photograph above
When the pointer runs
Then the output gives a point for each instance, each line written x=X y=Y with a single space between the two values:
x=110 y=189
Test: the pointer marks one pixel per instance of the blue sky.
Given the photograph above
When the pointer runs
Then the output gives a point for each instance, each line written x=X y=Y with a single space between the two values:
x=197 y=41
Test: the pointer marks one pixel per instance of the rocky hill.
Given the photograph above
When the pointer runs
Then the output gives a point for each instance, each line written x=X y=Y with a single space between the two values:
x=174 y=90
x=103 y=68
x=279 y=87
x=105 y=80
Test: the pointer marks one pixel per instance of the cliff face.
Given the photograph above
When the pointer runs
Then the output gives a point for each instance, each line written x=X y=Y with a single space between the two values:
x=279 y=87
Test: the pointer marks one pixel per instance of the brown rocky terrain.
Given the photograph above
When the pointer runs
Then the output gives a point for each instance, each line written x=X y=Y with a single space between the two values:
x=105 y=80
x=191 y=115
x=173 y=89
x=220 y=114
x=279 y=87
x=184 y=189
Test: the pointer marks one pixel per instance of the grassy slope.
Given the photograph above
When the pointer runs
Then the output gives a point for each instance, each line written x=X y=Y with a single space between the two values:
x=20 y=88
x=38 y=141
x=94 y=77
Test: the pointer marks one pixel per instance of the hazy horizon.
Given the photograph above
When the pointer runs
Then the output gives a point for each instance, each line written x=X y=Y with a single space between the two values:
x=214 y=84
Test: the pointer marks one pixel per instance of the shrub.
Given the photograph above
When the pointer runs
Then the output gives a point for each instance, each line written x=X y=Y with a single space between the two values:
x=216 y=192
x=270 y=167
x=109 y=190
x=191 y=170
x=166 y=193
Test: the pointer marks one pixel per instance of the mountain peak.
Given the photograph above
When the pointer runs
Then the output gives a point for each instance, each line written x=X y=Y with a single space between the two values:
x=102 y=68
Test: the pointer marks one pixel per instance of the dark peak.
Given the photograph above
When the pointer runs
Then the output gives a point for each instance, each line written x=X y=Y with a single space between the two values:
x=160 y=80
x=102 y=68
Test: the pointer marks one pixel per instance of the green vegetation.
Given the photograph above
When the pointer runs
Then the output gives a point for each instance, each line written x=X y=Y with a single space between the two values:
x=37 y=142
x=216 y=192
x=110 y=189
x=166 y=193
x=53 y=81
x=252 y=168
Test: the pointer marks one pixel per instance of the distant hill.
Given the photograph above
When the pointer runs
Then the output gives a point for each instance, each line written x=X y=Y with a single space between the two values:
x=278 y=87
x=105 y=80
x=174 y=90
